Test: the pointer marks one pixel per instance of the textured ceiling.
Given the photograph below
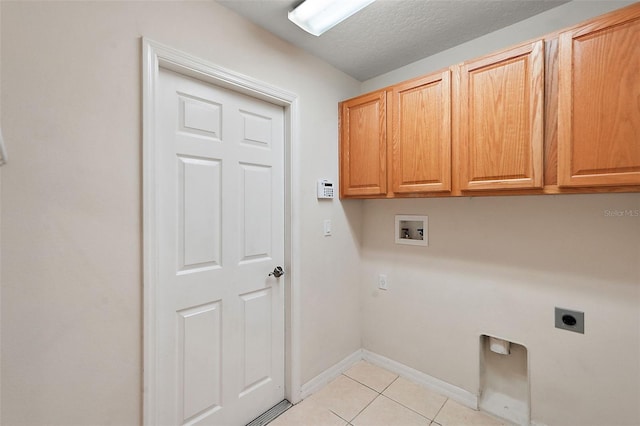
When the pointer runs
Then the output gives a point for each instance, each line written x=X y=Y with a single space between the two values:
x=389 y=34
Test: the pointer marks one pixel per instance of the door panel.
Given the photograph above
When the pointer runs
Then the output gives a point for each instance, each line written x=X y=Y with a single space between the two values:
x=200 y=117
x=256 y=129
x=421 y=111
x=599 y=103
x=199 y=213
x=363 y=145
x=199 y=352
x=255 y=212
x=501 y=127
x=256 y=339
x=220 y=324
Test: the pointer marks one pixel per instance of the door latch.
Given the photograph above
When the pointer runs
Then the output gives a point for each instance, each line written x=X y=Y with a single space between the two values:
x=277 y=272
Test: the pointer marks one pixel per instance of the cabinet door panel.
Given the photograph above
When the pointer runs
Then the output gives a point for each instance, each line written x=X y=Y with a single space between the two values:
x=501 y=120
x=422 y=135
x=599 y=103
x=363 y=139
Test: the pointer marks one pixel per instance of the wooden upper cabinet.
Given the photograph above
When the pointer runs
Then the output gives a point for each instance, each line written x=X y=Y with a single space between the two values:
x=421 y=123
x=500 y=135
x=479 y=128
x=363 y=146
x=599 y=102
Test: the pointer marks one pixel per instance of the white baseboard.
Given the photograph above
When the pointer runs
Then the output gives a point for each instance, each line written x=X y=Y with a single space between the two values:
x=322 y=379
x=505 y=407
x=459 y=395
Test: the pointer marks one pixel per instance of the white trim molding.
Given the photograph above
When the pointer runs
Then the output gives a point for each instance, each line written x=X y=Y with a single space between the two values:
x=459 y=395
x=333 y=372
x=156 y=56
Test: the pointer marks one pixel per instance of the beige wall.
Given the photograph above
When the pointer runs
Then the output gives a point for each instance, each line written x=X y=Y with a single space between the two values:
x=552 y=20
x=499 y=266
x=0 y=220
x=71 y=199
x=71 y=230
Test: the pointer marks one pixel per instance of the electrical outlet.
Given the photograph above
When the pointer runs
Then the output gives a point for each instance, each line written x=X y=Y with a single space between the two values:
x=382 y=282
x=567 y=319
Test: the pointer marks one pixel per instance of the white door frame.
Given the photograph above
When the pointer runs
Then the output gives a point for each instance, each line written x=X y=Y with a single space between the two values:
x=154 y=57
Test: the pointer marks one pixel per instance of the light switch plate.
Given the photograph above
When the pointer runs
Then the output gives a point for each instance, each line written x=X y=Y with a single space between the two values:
x=326 y=228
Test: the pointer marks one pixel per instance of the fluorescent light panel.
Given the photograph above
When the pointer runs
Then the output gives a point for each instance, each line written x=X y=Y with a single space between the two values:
x=319 y=16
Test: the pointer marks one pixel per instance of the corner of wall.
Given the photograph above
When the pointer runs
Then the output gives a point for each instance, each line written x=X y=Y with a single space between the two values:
x=0 y=218
x=563 y=16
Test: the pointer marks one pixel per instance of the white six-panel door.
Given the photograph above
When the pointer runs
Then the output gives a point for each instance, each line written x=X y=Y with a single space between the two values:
x=220 y=317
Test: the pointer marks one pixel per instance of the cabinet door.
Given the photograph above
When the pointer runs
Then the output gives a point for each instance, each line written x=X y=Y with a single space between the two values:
x=599 y=102
x=501 y=110
x=421 y=114
x=363 y=146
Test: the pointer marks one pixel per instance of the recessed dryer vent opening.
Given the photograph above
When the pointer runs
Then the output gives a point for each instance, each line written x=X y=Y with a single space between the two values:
x=504 y=380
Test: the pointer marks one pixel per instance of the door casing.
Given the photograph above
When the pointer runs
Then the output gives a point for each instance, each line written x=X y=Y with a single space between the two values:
x=156 y=56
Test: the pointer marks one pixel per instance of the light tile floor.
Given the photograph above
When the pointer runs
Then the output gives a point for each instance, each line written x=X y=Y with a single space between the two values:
x=367 y=395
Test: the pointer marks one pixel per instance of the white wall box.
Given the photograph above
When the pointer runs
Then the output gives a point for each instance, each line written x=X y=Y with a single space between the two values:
x=504 y=382
x=412 y=230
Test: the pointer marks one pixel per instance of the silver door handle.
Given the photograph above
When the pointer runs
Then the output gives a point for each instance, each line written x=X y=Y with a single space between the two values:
x=277 y=272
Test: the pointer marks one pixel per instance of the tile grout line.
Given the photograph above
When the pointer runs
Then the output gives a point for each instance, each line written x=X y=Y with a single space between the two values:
x=338 y=415
x=441 y=407
x=364 y=384
x=365 y=407
x=359 y=382
x=389 y=385
x=409 y=408
x=432 y=421
x=381 y=393
x=369 y=387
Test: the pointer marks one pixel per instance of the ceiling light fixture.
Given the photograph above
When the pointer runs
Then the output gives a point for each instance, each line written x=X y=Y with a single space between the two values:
x=319 y=16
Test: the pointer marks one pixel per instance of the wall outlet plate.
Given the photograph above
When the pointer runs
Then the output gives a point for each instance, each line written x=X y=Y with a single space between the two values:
x=567 y=319
x=383 y=283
